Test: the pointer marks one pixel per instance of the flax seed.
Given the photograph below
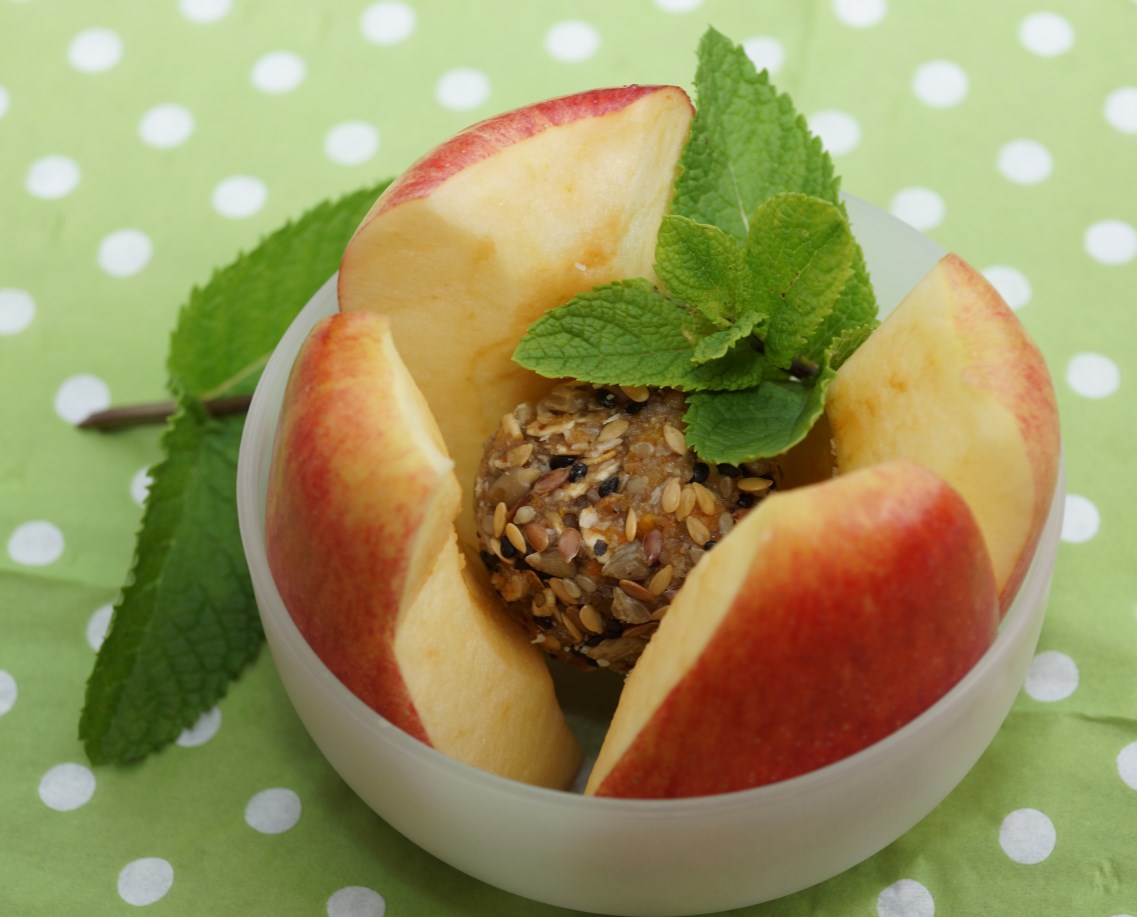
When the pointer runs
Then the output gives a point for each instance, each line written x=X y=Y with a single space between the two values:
x=755 y=485
x=636 y=393
x=592 y=619
x=635 y=590
x=568 y=544
x=537 y=535
x=653 y=545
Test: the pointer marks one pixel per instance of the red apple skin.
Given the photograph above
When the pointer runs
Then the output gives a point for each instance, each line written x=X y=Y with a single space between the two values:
x=865 y=600
x=482 y=140
x=344 y=564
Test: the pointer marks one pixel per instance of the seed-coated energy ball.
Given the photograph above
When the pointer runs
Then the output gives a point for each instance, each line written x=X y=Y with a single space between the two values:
x=591 y=511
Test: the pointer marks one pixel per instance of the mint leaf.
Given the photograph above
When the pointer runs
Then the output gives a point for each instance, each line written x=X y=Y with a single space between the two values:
x=629 y=333
x=855 y=308
x=702 y=266
x=800 y=253
x=747 y=144
x=718 y=344
x=626 y=332
x=760 y=422
x=186 y=624
x=228 y=328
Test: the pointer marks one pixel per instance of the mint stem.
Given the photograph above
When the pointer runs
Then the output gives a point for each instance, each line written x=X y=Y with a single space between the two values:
x=136 y=415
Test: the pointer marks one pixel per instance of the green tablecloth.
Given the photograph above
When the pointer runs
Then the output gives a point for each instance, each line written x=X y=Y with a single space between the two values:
x=143 y=144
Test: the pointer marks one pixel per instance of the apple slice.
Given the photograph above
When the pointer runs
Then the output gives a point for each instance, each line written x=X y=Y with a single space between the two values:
x=832 y=615
x=360 y=540
x=952 y=380
x=500 y=223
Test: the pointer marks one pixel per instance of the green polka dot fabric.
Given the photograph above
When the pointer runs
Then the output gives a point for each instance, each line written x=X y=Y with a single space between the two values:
x=143 y=145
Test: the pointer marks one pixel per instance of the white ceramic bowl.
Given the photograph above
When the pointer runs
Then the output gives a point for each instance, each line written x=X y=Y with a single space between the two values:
x=642 y=857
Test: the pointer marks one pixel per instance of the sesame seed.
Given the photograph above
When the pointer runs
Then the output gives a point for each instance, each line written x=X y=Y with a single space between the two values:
x=637 y=393
x=612 y=430
x=592 y=619
x=631 y=523
x=704 y=498
x=661 y=580
x=698 y=531
x=499 y=519
x=755 y=485
x=669 y=499
x=686 y=503
x=674 y=439
x=513 y=534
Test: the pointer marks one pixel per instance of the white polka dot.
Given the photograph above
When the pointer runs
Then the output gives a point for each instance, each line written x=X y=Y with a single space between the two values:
x=145 y=881
x=839 y=131
x=125 y=252
x=356 y=901
x=1092 y=375
x=52 y=176
x=462 y=88
x=387 y=23
x=921 y=208
x=860 y=14
x=278 y=72
x=204 y=10
x=98 y=625
x=81 y=396
x=165 y=126
x=1010 y=283
x=17 y=309
x=1111 y=242
x=1027 y=836
x=678 y=6
x=94 y=50
x=1081 y=520
x=1052 y=676
x=273 y=811
x=67 y=787
x=1026 y=162
x=140 y=485
x=8 y=692
x=1120 y=109
x=905 y=898
x=572 y=41
x=765 y=52
x=239 y=196
x=1127 y=765
x=35 y=544
x=1046 y=34
x=5 y=101
x=940 y=83
x=351 y=143
x=204 y=729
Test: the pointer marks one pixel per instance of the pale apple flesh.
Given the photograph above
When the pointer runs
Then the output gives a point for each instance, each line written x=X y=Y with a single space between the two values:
x=832 y=615
x=952 y=380
x=359 y=538
x=499 y=224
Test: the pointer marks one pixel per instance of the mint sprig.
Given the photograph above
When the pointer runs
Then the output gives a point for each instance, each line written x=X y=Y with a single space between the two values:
x=762 y=290
x=186 y=623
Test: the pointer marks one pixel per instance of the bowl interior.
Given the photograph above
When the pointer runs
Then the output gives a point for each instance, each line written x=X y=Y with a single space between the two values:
x=635 y=856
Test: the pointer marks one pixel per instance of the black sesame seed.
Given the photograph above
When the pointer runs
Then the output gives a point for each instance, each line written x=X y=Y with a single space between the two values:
x=613 y=628
x=746 y=500
x=577 y=472
x=605 y=397
x=490 y=560
x=609 y=486
x=561 y=461
x=634 y=407
x=707 y=545
x=700 y=472
x=599 y=547
x=594 y=640
x=543 y=621
x=729 y=471
x=507 y=548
